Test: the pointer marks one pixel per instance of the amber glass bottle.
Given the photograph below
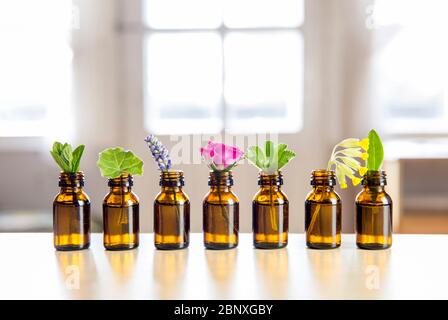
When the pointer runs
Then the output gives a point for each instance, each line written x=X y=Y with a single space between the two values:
x=71 y=214
x=270 y=213
x=171 y=213
x=121 y=215
x=374 y=213
x=220 y=212
x=323 y=212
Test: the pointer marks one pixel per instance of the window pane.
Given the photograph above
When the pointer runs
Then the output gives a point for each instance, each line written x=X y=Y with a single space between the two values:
x=263 y=13
x=34 y=66
x=178 y=14
x=184 y=74
x=264 y=81
x=411 y=67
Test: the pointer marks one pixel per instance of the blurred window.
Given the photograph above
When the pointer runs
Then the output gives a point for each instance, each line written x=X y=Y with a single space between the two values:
x=34 y=66
x=411 y=65
x=213 y=65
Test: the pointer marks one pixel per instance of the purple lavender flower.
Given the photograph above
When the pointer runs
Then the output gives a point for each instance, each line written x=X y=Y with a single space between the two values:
x=159 y=152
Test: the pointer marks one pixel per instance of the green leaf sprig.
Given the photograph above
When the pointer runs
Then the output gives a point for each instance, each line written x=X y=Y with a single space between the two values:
x=114 y=162
x=67 y=159
x=345 y=159
x=271 y=158
x=375 y=151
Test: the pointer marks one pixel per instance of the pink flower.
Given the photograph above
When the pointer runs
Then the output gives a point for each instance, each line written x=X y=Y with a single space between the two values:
x=219 y=156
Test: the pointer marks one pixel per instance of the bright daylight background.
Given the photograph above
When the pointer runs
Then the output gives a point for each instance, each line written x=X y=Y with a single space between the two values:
x=106 y=73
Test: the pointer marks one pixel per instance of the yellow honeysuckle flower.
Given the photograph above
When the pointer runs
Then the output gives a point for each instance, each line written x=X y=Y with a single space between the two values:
x=343 y=185
x=364 y=144
x=364 y=156
x=348 y=143
x=356 y=181
x=362 y=171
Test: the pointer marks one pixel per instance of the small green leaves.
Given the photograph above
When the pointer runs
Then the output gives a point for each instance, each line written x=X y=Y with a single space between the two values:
x=375 y=151
x=68 y=160
x=272 y=158
x=114 y=162
x=255 y=155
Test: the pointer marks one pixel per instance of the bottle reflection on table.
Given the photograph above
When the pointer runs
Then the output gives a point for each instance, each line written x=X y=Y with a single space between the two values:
x=273 y=267
x=169 y=272
x=221 y=266
x=78 y=273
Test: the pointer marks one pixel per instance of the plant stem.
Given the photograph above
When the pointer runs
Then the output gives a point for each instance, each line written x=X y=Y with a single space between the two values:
x=178 y=214
x=271 y=208
x=225 y=212
x=314 y=216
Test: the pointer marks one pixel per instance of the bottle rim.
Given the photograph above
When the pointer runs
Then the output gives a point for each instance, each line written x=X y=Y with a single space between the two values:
x=172 y=178
x=124 y=180
x=220 y=178
x=70 y=179
x=266 y=179
x=322 y=177
x=374 y=178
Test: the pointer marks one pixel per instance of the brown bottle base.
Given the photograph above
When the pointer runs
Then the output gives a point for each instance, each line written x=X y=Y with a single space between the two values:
x=72 y=247
x=219 y=246
x=322 y=246
x=267 y=245
x=121 y=247
x=172 y=246
x=373 y=246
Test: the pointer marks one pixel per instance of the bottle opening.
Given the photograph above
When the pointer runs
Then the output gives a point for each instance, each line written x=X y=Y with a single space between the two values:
x=374 y=178
x=172 y=178
x=71 y=180
x=323 y=178
x=220 y=178
x=125 y=180
x=275 y=179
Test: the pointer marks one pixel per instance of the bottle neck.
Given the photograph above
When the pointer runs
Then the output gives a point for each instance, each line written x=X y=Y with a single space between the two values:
x=172 y=180
x=374 y=181
x=71 y=182
x=221 y=181
x=120 y=189
x=375 y=189
x=70 y=189
x=270 y=182
x=323 y=188
x=171 y=189
x=221 y=189
x=323 y=179
x=121 y=184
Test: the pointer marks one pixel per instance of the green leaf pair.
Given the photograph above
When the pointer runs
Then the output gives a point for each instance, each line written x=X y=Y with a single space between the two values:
x=67 y=159
x=114 y=162
x=375 y=152
x=271 y=158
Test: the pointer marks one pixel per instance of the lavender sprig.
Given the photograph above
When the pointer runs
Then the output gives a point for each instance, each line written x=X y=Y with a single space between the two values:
x=159 y=152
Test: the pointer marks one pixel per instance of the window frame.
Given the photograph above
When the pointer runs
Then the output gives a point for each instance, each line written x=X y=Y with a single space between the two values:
x=401 y=127
x=37 y=138
x=139 y=26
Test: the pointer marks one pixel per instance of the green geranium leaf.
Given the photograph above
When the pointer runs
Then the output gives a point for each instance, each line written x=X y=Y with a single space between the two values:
x=375 y=151
x=68 y=160
x=114 y=162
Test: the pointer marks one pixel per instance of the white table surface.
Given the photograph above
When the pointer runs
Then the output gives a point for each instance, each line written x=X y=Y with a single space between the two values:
x=415 y=267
